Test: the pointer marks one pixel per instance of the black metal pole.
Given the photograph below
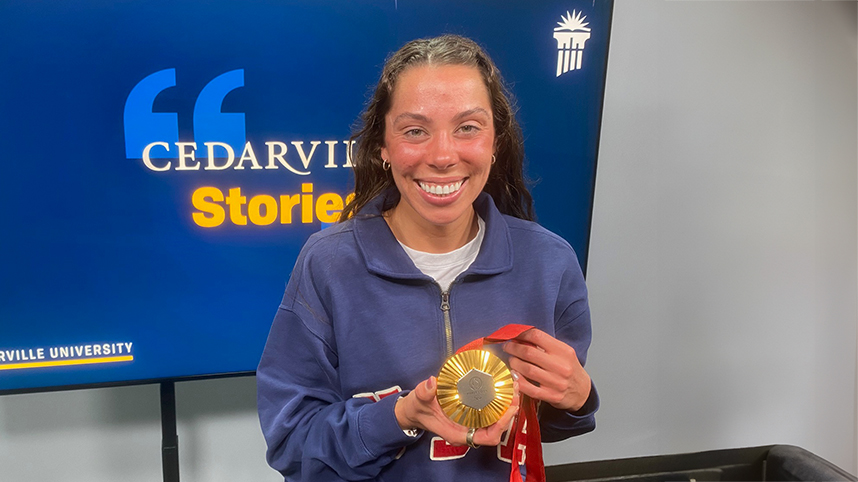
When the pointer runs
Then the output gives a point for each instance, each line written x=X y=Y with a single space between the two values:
x=169 y=438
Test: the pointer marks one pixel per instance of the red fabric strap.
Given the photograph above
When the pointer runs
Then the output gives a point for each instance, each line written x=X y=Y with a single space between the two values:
x=532 y=440
x=503 y=334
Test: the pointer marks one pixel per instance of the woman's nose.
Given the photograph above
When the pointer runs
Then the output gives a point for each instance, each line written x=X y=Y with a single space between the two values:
x=442 y=154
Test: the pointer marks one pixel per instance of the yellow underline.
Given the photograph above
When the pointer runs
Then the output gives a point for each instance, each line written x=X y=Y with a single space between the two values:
x=62 y=363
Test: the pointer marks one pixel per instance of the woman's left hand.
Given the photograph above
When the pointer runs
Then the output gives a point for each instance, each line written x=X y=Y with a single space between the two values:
x=549 y=370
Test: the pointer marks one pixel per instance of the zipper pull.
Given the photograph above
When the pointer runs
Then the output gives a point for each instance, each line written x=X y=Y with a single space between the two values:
x=445 y=301
x=448 y=326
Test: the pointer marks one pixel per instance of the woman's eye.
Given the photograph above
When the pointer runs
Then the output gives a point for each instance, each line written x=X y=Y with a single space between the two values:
x=413 y=132
x=469 y=129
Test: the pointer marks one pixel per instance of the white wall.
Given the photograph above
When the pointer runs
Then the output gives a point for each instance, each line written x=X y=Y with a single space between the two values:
x=722 y=269
x=723 y=259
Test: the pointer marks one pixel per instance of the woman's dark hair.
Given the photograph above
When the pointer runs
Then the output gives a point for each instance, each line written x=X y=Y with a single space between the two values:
x=506 y=183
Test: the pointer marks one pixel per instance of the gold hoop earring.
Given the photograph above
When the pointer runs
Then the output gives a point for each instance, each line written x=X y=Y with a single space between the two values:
x=494 y=159
x=385 y=165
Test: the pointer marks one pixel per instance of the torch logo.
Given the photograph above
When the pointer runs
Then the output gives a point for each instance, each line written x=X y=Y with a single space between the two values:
x=571 y=35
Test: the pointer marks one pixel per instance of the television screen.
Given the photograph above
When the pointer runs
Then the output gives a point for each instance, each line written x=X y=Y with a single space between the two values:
x=164 y=162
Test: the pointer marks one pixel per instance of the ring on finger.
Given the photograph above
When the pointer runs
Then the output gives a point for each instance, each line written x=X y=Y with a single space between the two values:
x=469 y=438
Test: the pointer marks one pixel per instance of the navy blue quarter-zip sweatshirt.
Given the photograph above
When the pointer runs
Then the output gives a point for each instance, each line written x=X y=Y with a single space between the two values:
x=358 y=322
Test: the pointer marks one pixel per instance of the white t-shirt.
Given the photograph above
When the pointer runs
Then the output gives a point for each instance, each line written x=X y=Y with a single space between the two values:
x=444 y=267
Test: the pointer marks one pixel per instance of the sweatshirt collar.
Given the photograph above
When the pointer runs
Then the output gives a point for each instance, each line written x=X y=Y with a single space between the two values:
x=384 y=256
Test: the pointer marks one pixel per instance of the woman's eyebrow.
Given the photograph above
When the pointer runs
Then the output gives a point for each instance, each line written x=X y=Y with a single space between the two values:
x=411 y=116
x=423 y=118
x=470 y=112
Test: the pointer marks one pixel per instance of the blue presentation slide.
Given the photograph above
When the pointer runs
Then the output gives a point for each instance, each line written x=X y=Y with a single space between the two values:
x=164 y=162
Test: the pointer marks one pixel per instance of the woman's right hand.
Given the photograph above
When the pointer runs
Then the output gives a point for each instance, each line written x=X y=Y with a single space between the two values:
x=420 y=410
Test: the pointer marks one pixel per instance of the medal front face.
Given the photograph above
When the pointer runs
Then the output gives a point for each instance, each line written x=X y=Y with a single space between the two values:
x=475 y=388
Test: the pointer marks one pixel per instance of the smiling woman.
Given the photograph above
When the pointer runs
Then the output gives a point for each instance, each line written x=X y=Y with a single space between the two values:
x=440 y=144
x=506 y=183
x=436 y=249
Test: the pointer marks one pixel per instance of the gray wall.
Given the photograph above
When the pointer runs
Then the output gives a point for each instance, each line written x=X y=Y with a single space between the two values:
x=722 y=270
x=723 y=259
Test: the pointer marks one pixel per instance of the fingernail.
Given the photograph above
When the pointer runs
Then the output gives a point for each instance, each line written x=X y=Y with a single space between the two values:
x=514 y=376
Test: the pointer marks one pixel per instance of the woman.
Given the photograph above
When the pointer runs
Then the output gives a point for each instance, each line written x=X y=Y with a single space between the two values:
x=436 y=249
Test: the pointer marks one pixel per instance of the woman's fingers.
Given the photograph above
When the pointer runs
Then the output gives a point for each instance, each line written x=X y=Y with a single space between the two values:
x=492 y=434
x=420 y=409
x=550 y=370
x=425 y=391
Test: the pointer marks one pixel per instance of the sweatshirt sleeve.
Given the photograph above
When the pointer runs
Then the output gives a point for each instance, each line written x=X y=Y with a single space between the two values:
x=572 y=326
x=314 y=432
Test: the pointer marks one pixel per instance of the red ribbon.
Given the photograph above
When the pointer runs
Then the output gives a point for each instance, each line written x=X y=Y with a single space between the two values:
x=534 y=464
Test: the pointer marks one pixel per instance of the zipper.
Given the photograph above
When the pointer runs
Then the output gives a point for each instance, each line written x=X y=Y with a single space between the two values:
x=448 y=325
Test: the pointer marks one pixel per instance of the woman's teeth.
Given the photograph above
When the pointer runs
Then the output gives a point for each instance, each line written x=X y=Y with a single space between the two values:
x=440 y=190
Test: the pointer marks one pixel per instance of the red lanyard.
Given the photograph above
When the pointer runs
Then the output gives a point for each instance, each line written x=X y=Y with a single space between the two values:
x=532 y=440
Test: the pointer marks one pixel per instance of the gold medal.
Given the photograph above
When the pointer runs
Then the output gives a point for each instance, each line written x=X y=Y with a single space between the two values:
x=474 y=388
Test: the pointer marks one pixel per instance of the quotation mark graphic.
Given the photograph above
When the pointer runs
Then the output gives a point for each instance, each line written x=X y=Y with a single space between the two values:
x=143 y=127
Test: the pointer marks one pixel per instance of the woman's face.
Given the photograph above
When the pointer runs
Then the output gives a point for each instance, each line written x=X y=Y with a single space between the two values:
x=439 y=139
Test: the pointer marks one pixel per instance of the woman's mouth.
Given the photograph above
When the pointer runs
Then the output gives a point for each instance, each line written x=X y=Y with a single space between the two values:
x=440 y=189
